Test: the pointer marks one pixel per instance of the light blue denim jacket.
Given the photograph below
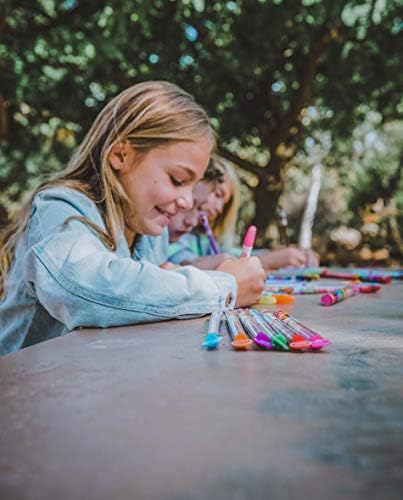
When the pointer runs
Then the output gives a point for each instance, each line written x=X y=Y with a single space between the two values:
x=63 y=277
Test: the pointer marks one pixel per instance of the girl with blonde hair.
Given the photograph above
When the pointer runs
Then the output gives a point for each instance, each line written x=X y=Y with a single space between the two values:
x=222 y=208
x=224 y=212
x=85 y=249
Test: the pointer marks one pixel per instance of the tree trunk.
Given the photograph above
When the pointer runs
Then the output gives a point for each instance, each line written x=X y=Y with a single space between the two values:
x=394 y=226
x=266 y=198
x=3 y=118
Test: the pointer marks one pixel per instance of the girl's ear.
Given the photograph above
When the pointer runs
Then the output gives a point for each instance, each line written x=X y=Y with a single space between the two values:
x=120 y=156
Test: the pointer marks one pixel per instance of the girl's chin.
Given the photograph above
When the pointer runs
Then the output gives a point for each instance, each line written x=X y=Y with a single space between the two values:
x=154 y=229
x=153 y=226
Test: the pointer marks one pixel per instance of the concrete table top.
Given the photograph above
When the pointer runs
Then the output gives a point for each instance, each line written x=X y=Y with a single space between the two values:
x=142 y=412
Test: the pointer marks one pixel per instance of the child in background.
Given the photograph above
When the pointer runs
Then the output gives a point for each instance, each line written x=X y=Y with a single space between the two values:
x=184 y=222
x=222 y=210
x=86 y=248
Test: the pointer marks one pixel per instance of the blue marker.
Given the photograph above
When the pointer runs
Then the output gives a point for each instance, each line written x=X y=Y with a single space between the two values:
x=213 y=338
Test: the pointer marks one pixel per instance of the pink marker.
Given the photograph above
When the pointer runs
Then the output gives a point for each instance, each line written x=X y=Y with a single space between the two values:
x=335 y=296
x=248 y=242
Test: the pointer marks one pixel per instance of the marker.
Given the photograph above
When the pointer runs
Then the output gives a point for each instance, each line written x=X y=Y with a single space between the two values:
x=363 y=276
x=267 y=299
x=338 y=295
x=294 y=277
x=296 y=342
x=253 y=330
x=209 y=232
x=283 y=298
x=278 y=289
x=248 y=242
x=369 y=288
x=213 y=338
x=238 y=336
x=317 y=341
x=309 y=289
x=396 y=275
x=277 y=340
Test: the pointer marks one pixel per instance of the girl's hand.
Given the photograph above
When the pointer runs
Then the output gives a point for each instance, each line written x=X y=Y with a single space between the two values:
x=312 y=258
x=250 y=277
x=288 y=257
x=168 y=266
x=211 y=261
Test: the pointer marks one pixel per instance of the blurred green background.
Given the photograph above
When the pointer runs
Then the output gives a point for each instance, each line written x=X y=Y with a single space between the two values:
x=306 y=97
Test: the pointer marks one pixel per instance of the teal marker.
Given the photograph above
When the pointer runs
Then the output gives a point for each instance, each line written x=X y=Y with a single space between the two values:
x=278 y=340
x=213 y=338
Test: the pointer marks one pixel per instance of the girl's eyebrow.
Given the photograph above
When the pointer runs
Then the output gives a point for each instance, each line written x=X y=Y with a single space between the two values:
x=190 y=173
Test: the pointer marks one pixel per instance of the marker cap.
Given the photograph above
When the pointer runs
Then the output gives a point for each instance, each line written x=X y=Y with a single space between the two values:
x=250 y=237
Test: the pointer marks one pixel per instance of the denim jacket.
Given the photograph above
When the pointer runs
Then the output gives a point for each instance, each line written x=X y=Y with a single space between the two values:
x=64 y=277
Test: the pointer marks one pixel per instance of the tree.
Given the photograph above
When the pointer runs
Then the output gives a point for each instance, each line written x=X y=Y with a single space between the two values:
x=258 y=66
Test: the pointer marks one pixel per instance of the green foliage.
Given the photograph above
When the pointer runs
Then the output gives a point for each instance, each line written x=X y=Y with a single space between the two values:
x=270 y=72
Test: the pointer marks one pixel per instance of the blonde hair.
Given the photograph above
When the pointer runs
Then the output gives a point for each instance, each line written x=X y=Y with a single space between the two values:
x=147 y=115
x=224 y=226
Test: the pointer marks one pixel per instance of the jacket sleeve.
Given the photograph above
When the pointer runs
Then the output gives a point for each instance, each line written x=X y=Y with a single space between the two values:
x=82 y=283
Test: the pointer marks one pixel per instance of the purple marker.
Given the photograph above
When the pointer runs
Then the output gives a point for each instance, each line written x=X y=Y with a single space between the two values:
x=209 y=232
x=253 y=330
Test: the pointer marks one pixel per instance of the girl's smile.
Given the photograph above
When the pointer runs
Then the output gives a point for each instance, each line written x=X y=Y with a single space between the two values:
x=159 y=184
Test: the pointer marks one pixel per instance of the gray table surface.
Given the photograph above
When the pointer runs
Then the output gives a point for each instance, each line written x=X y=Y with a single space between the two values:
x=142 y=412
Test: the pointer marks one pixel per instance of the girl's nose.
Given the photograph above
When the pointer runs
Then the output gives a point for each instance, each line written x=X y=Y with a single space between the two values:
x=185 y=201
x=219 y=205
x=192 y=219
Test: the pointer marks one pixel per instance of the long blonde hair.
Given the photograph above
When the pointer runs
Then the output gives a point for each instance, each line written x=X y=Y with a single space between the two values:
x=224 y=226
x=147 y=115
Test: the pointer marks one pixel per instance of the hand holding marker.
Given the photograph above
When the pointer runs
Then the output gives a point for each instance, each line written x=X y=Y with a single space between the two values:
x=247 y=248
x=248 y=242
x=212 y=338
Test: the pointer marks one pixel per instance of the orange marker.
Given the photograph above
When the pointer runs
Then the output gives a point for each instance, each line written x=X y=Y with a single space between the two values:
x=238 y=336
x=283 y=298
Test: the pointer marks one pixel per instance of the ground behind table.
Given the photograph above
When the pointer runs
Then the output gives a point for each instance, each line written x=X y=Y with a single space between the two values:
x=142 y=412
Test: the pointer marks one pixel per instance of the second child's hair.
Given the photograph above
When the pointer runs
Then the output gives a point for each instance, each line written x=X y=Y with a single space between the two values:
x=224 y=226
x=147 y=115
x=214 y=173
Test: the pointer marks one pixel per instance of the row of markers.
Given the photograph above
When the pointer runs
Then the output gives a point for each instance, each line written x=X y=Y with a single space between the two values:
x=274 y=294
x=301 y=284
x=278 y=330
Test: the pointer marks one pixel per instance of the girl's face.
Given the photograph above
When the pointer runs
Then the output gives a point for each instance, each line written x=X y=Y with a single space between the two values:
x=184 y=222
x=160 y=183
x=218 y=198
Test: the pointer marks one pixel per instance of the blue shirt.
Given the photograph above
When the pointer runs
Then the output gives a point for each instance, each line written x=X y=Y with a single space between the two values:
x=64 y=277
x=191 y=246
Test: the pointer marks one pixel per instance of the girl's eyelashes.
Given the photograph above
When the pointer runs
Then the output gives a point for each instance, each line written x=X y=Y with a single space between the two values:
x=176 y=182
